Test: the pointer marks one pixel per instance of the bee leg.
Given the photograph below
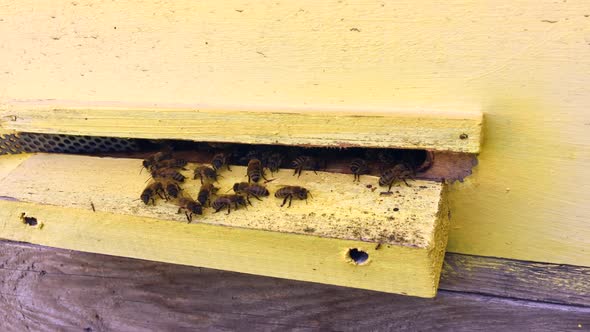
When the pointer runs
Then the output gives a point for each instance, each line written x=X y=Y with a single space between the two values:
x=179 y=209
x=229 y=169
x=255 y=196
x=390 y=185
x=195 y=177
x=285 y=201
x=228 y=208
x=406 y=182
x=189 y=217
x=290 y=200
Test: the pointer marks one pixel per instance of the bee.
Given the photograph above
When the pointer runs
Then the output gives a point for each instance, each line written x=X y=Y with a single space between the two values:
x=168 y=173
x=305 y=162
x=152 y=189
x=255 y=170
x=156 y=158
x=226 y=201
x=168 y=163
x=190 y=207
x=359 y=167
x=219 y=160
x=205 y=193
x=274 y=162
x=396 y=173
x=205 y=173
x=173 y=189
x=288 y=192
x=248 y=189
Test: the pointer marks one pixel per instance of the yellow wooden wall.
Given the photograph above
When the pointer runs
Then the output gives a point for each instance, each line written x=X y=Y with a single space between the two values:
x=526 y=64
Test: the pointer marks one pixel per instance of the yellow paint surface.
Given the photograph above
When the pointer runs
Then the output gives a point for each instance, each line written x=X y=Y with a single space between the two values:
x=524 y=63
x=409 y=129
x=307 y=241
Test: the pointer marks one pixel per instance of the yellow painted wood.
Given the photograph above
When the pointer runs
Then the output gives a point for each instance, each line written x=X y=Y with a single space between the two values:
x=523 y=63
x=307 y=241
x=411 y=129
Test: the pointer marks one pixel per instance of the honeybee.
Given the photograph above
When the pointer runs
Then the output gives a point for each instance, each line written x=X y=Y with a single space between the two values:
x=305 y=162
x=205 y=173
x=359 y=167
x=190 y=207
x=248 y=189
x=152 y=189
x=226 y=201
x=274 y=162
x=169 y=163
x=173 y=189
x=219 y=160
x=156 y=158
x=205 y=193
x=399 y=172
x=290 y=192
x=167 y=173
x=255 y=170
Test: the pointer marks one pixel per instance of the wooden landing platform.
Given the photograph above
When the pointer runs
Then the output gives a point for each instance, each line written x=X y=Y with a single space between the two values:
x=91 y=204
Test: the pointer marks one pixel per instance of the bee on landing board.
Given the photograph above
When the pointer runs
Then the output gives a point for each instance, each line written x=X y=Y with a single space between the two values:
x=359 y=167
x=226 y=201
x=168 y=163
x=152 y=189
x=255 y=171
x=219 y=160
x=205 y=174
x=205 y=193
x=399 y=172
x=156 y=158
x=305 y=162
x=167 y=173
x=274 y=162
x=173 y=189
x=190 y=207
x=248 y=189
x=290 y=192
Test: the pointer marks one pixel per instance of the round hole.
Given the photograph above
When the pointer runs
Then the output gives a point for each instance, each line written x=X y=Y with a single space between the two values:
x=395 y=209
x=357 y=256
x=464 y=136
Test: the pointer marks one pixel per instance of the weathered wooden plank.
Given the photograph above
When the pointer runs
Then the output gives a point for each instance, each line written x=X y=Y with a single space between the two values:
x=523 y=63
x=543 y=282
x=409 y=129
x=92 y=204
x=44 y=289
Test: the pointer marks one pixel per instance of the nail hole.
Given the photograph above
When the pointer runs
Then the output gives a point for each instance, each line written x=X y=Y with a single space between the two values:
x=464 y=136
x=358 y=256
x=31 y=221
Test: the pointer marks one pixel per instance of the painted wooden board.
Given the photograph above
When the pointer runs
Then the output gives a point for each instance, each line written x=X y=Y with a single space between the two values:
x=308 y=241
x=48 y=289
x=524 y=64
x=410 y=129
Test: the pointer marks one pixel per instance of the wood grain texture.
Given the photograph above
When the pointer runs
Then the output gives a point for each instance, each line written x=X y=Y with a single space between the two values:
x=408 y=129
x=305 y=242
x=523 y=63
x=45 y=289
x=550 y=283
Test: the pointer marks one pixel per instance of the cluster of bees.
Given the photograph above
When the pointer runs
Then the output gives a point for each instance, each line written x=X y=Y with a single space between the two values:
x=167 y=180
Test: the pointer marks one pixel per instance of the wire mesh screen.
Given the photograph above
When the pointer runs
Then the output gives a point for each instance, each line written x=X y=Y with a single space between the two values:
x=32 y=142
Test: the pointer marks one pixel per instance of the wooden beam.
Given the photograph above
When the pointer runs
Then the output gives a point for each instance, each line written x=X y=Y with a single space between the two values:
x=308 y=241
x=541 y=282
x=407 y=129
x=116 y=293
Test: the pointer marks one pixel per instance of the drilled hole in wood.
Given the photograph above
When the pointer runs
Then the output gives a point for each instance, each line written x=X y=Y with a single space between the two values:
x=359 y=257
x=31 y=221
x=464 y=136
